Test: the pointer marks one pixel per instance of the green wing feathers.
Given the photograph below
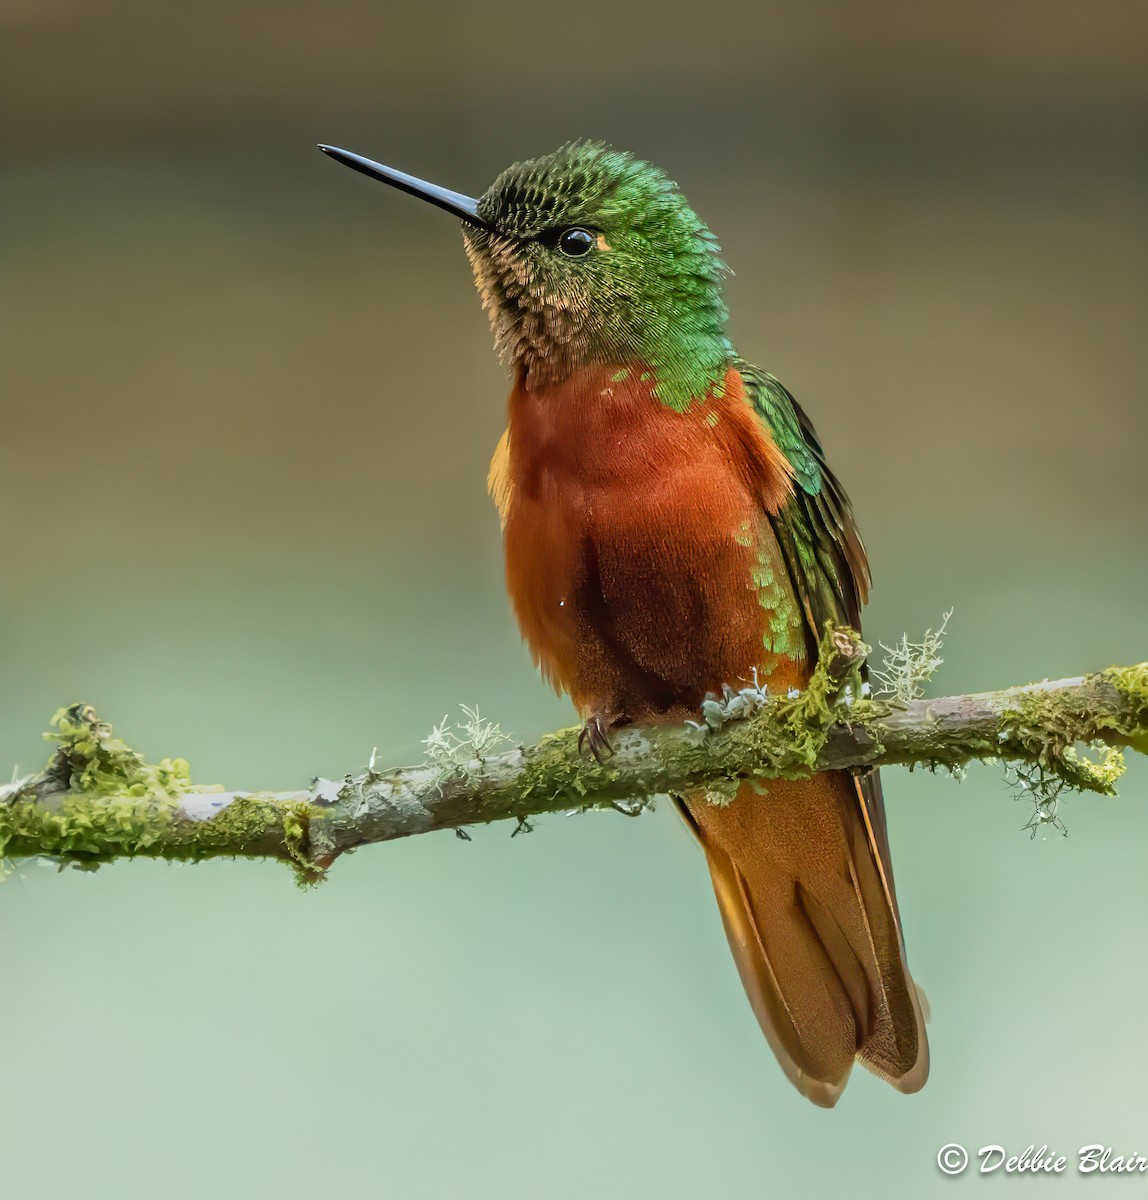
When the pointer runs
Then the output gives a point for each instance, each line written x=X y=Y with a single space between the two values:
x=816 y=531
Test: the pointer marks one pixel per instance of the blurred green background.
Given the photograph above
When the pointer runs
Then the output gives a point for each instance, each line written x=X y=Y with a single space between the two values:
x=248 y=405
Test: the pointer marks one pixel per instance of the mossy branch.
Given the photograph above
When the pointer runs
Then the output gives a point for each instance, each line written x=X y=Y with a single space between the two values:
x=99 y=800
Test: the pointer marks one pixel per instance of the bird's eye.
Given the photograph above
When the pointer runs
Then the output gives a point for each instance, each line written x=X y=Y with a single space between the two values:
x=576 y=241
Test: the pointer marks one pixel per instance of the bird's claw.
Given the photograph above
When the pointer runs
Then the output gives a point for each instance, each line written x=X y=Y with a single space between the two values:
x=596 y=734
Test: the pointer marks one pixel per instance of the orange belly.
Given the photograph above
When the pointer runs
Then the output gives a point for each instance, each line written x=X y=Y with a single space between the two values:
x=633 y=538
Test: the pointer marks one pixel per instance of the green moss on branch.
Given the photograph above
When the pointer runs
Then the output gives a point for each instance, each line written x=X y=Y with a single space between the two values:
x=98 y=799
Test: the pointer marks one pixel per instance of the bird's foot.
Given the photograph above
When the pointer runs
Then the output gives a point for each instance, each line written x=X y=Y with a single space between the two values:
x=596 y=735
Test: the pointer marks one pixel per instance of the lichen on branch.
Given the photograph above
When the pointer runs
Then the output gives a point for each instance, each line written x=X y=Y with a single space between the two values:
x=98 y=799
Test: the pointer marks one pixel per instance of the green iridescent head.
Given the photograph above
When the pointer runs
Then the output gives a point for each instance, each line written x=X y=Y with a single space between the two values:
x=591 y=256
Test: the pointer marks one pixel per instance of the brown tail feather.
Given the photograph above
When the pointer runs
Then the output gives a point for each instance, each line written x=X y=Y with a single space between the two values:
x=806 y=895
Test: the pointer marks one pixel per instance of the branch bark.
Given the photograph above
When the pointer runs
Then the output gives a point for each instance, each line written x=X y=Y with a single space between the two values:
x=98 y=800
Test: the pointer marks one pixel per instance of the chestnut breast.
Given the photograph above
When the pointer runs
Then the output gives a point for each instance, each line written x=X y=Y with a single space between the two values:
x=632 y=533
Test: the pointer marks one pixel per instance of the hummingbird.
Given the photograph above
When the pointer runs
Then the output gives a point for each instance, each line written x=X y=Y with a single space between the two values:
x=670 y=525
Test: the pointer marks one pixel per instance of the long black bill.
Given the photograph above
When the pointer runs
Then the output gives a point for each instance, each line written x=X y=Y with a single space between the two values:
x=454 y=202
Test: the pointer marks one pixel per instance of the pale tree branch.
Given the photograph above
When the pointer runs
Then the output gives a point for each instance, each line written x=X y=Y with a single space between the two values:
x=99 y=800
